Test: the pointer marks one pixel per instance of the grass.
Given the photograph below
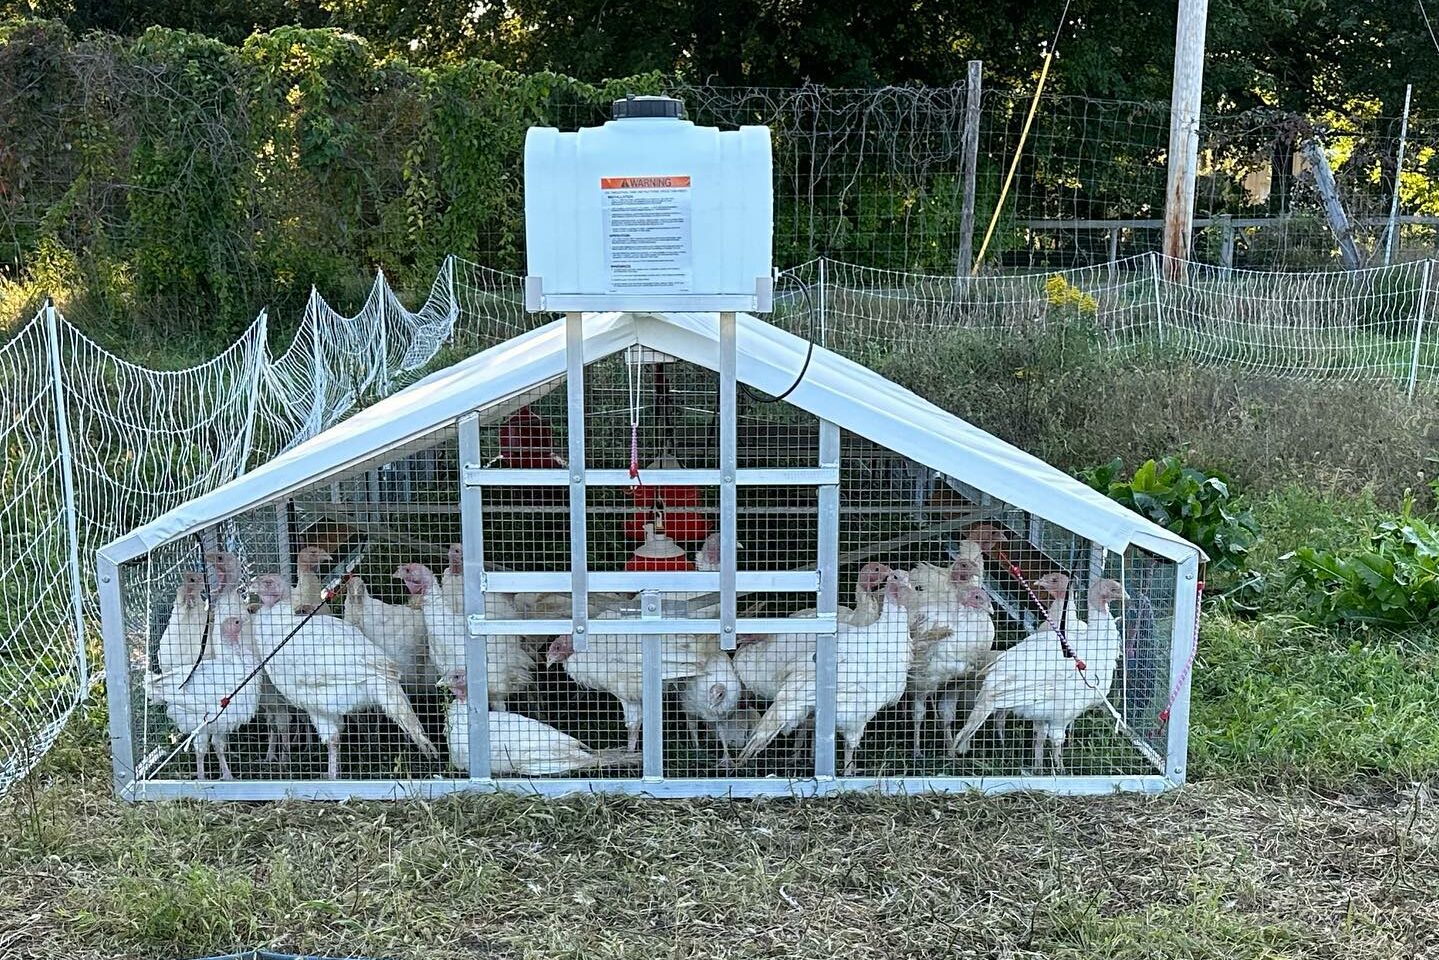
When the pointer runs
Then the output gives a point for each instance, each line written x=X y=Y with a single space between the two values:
x=1306 y=831
x=1278 y=699
x=1216 y=871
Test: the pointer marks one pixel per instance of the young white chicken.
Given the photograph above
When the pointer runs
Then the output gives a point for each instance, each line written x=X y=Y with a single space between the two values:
x=712 y=694
x=952 y=633
x=509 y=662
x=184 y=634
x=872 y=665
x=232 y=600
x=396 y=628
x=194 y=706
x=520 y=746
x=328 y=669
x=1035 y=680
x=764 y=661
x=612 y=663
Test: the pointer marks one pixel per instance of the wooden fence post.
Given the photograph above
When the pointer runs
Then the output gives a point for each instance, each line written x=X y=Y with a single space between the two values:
x=970 y=149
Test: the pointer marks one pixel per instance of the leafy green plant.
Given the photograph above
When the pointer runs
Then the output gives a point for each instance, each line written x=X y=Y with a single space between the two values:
x=1394 y=582
x=1194 y=504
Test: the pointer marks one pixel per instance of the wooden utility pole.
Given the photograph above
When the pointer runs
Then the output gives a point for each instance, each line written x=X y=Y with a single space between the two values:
x=1184 y=132
x=970 y=148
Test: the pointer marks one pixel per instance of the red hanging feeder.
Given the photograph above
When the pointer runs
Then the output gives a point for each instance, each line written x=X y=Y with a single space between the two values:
x=676 y=504
x=528 y=443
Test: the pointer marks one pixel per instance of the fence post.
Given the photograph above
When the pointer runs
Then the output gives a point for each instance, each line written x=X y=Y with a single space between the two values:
x=1226 y=240
x=262 y=356
x=823 y=305
x=1398 y=172
x=1419 y=329
x=969 y=148
x=1158 y=297
x=319 y=373
x=381 y=289
x=1184 y=110
x=67 y=486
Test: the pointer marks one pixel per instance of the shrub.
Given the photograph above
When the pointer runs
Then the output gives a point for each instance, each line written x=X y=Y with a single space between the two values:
x=1194 y=504
x=1394 y=582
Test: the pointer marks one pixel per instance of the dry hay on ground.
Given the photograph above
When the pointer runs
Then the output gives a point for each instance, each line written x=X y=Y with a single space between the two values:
x=1213 y=871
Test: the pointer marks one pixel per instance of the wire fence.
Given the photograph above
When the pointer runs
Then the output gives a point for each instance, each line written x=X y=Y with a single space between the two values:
x=92 y=445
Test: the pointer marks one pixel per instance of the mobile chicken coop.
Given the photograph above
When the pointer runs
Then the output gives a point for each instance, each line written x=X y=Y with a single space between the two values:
x=649 y=550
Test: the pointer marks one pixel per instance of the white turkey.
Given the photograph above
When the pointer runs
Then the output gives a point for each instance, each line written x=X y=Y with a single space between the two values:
x=612 y=663
x=396 y=628
x=194 y=705
x=934 y=578
x=232 y=599
x=328 y=669
x=1036 y=681
x=952 y=633
x=520 y=746
x=509 y=662
x=711 y=695
x=452 y=580
x=184 y=635
x=872 y=665
x=308 y=585
x=763 y=661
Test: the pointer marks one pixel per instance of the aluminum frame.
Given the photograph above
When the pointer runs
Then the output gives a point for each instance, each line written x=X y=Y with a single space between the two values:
x=739 y=787
x=823 y=580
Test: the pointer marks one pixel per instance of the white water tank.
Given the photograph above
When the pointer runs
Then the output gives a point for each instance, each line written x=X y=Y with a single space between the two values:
x=649 y=212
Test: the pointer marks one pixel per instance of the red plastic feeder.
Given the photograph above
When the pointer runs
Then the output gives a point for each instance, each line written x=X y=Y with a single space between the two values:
x=684 y=525
x=528 y=443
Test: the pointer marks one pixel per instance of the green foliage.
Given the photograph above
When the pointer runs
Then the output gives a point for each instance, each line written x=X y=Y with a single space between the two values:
x=175 y=176
x=1393 y=582
x=1190 y=502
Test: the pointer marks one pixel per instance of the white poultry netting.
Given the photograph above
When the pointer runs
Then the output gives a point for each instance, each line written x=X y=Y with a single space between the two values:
x=141 y=441
x=133 y=442
x=1371 y=325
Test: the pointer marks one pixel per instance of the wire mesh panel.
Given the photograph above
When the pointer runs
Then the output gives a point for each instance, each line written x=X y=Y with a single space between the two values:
x=283 y=639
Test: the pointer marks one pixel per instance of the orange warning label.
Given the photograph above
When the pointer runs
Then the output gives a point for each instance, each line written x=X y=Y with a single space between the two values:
x=642 y=183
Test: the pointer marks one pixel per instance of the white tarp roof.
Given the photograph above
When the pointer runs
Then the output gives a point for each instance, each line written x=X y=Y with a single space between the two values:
x=834 y=388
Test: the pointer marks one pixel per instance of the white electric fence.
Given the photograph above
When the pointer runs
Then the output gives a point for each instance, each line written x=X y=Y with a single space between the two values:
x=92 y=445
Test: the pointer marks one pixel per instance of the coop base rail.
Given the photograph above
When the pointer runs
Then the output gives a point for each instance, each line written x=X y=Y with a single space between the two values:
x=330 y=790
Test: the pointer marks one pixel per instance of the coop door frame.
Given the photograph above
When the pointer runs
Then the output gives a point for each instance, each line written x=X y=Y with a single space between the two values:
x=651 y=626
